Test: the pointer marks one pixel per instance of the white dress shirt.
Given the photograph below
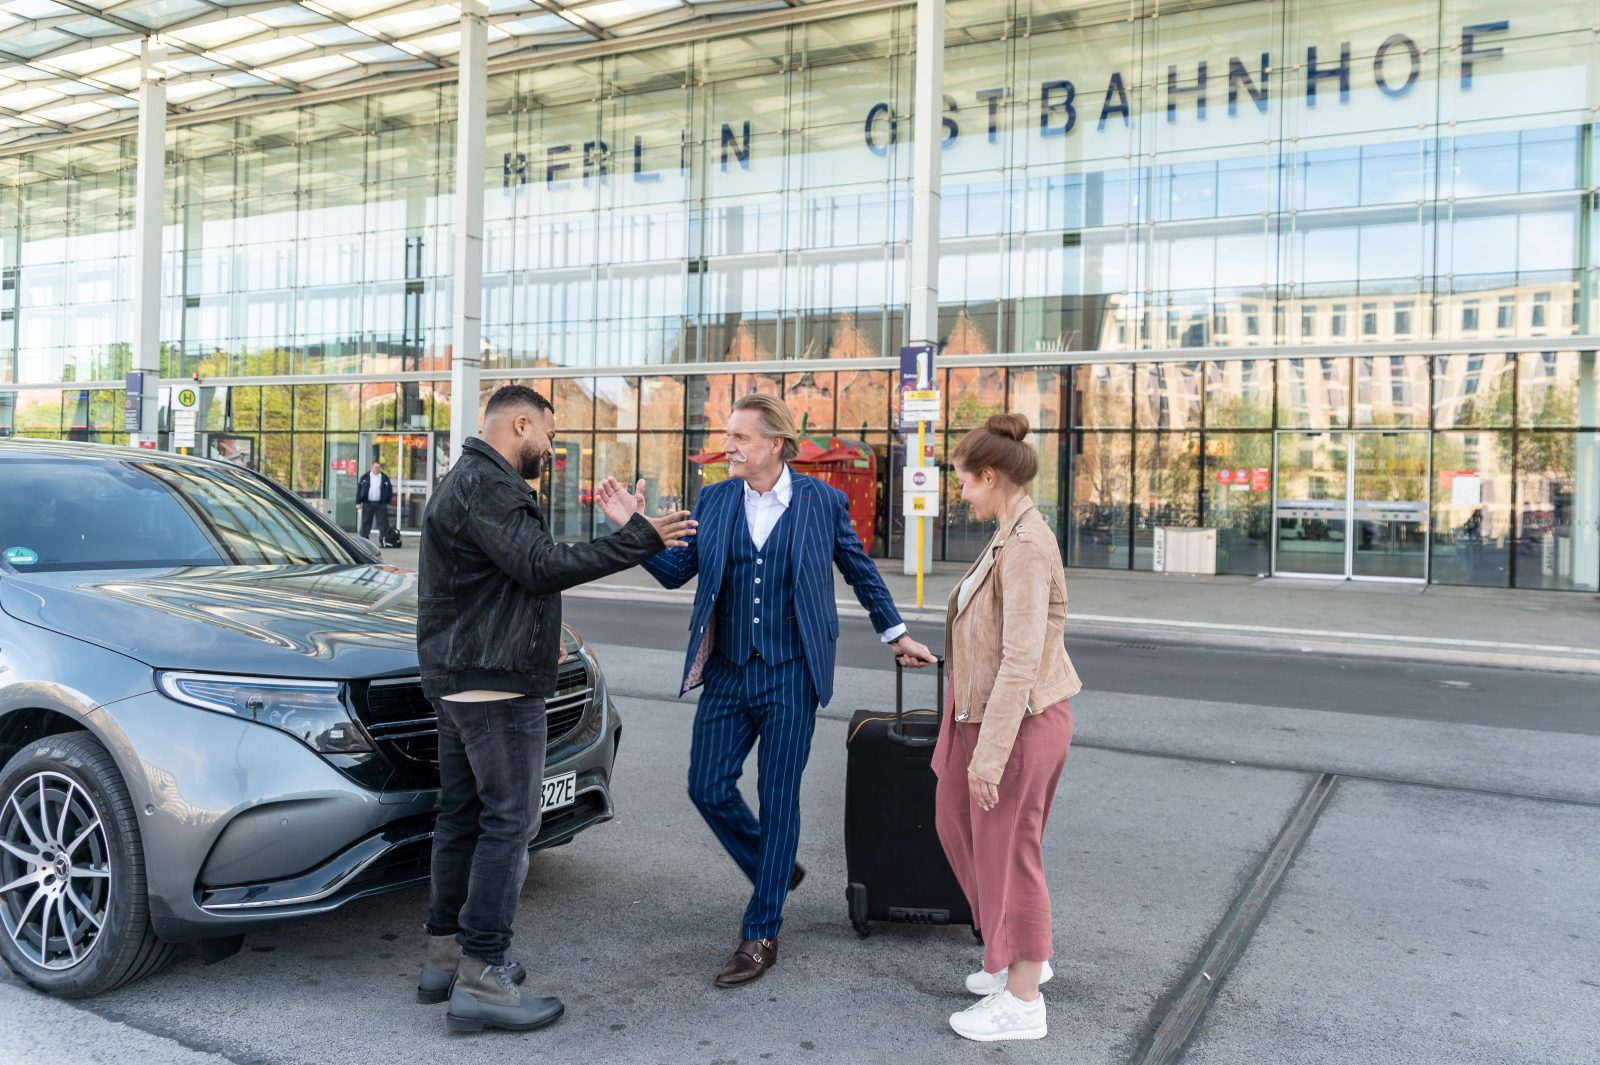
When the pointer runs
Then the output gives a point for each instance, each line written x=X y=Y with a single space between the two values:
x=762 y=511
x=374 y=487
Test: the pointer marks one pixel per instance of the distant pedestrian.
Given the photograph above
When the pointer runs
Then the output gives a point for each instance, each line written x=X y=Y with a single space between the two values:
x=489 y=640
x=1010 y=681
x=374 y=494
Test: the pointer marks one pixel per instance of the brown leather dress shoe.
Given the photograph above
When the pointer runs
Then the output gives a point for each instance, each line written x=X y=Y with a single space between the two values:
x=749 y=963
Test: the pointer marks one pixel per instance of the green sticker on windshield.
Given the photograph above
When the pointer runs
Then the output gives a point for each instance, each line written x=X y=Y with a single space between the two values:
x=21 y=556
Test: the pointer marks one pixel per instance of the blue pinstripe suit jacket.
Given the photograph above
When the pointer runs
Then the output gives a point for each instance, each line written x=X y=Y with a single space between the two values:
x=823 y=538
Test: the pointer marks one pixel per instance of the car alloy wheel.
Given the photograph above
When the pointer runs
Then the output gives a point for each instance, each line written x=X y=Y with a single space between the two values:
x=55 y=871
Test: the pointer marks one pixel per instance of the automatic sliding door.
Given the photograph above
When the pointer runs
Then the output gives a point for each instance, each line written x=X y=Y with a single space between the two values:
x=1390 y=505
x=1313 y=504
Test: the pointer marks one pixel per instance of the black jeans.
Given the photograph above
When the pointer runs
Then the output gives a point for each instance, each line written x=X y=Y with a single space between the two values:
x=491 y=774
x=374 y=514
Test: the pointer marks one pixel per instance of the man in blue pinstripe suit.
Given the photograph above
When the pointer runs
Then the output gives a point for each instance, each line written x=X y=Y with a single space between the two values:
x=762 y=642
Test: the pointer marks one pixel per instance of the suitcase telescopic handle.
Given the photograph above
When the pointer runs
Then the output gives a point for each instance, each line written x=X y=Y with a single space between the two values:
x=900 y=701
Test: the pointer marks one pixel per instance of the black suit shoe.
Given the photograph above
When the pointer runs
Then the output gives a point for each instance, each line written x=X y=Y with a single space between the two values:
x=798 y=875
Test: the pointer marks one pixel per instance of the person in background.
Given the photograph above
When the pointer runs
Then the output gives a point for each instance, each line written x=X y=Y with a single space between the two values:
x=1005 y=731
x=374 y=494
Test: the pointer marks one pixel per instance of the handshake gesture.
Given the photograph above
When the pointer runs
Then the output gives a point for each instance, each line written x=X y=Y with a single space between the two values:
x=619 y=505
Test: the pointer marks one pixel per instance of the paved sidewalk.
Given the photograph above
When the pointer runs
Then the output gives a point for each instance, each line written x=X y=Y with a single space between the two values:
x=1479 y=626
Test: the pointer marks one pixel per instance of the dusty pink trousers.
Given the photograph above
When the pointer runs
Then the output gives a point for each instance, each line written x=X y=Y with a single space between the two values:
x=997 y=854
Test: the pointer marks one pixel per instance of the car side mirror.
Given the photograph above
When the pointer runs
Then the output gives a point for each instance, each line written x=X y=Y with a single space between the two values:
x=368 y=548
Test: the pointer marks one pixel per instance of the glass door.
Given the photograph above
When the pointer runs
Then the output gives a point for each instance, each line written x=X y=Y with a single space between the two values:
x=1390 y=508
x=1313 y=505
x=408 y=460
x=1352 y=505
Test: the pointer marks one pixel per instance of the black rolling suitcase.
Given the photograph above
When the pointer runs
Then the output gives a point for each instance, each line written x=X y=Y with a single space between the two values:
x=896 y=869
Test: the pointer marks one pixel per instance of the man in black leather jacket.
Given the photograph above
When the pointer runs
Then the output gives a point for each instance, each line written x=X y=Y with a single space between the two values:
x=489 y=637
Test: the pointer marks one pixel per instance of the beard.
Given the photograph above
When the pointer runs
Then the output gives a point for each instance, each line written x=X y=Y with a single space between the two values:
x=531 y=463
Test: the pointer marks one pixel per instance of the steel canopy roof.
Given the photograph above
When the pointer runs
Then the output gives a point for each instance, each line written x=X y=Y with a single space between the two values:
x=72 y=66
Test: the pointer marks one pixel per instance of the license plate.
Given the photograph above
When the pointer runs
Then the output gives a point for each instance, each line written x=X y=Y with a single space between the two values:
x=559 y=791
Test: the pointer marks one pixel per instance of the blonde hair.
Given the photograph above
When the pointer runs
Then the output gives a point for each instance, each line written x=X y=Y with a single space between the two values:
x=777 y=421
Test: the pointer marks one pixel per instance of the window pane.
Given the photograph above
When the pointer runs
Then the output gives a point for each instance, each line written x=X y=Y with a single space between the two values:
x=616 y=403
x=1472 y=509
x=1036 y=394
x=1102 y=474
x=661 y=403
x=1472 y=391
x=810 y=397
x=971 y=395
x=1166 y=489
x=1239 y=394
x=1237 y=487
x=615 y=455
x=1557 y=389
x=1558 y=511
x=1167 y=395
x=864 y=397
x=661 y=467
x=1103 y=396
x=1313 y=393
x=1391 y=390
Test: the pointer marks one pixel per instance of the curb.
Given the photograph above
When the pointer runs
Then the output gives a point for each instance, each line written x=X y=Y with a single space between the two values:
x=1258 y=638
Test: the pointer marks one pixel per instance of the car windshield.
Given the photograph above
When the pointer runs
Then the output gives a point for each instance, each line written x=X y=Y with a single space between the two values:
x=59 y=513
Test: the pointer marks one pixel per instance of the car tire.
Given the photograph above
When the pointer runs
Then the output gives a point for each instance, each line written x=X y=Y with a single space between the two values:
x=94 y=932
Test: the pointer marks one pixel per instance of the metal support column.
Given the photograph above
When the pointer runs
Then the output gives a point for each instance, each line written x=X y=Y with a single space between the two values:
x=923 y=326
x=150 y=182
x=466 y=352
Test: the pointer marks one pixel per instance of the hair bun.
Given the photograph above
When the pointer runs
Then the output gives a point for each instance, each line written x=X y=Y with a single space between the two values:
x=1011 y=426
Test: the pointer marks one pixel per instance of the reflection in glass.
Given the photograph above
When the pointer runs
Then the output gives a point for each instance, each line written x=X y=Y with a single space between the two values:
x=1239 y=393
x=1102 y=396
x=1471 y=509
x=1313 y=503
x=1166 y=489
x=1236 y=483
x=1391 y=391
x=1167 y=395
x=1558 y=389
x=1314 y=393
x=1390 y=506
x=1102 y=473
x=1558 y=511
x=1473 y=391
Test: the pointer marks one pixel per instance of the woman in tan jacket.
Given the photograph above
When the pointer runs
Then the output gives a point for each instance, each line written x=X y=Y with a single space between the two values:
x=1006 y=729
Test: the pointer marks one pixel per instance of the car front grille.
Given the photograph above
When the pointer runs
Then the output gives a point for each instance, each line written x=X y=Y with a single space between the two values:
x=403 y=725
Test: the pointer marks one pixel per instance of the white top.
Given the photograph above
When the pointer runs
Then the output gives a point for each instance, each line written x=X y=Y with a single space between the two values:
x=374 y=487
x=977 y=573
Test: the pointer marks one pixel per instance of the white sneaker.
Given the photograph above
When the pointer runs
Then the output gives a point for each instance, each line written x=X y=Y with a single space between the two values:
x=982 y=983
x=1001 y=1016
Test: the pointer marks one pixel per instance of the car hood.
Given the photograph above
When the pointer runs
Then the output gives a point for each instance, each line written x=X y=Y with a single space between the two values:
x=320 y=622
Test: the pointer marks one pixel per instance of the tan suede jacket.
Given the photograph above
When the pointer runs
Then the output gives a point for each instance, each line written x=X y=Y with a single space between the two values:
x=1005 y=648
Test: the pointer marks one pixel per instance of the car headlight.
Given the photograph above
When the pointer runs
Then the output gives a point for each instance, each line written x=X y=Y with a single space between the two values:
x=311 y=711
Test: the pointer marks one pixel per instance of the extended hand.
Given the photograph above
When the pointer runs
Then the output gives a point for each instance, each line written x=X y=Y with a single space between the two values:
x=985 y=794
x=675 y=529
x=616 y=502
x=911 y=654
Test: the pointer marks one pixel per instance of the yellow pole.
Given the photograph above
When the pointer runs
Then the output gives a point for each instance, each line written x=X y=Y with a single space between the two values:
x=922 y=428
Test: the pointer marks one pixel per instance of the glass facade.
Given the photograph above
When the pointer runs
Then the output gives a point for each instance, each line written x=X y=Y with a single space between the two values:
x=1211 y=252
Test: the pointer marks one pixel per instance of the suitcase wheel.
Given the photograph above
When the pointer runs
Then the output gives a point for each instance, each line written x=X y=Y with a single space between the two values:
x=856 y=895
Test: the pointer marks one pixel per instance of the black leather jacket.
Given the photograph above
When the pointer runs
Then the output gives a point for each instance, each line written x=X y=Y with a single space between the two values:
x=490 y=578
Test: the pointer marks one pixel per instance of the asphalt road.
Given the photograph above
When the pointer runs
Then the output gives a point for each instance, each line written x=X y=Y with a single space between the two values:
x=1423 y=856
x=1552 y=702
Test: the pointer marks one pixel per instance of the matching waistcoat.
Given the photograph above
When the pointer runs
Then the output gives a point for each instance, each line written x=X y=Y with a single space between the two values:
x=755 y=606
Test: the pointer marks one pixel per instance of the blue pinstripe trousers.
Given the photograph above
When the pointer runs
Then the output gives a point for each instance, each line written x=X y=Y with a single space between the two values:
x=776 y=704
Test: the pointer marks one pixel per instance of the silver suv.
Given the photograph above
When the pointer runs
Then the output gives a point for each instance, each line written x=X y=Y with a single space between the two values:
x=210 y=715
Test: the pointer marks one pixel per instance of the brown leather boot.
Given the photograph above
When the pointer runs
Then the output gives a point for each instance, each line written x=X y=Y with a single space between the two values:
x=749 y=963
